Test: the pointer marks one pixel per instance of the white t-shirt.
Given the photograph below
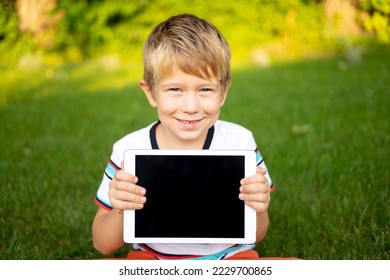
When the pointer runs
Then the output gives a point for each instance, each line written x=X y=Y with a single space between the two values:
x=223 y=135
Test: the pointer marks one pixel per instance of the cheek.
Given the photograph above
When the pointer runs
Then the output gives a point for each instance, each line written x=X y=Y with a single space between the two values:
x=212 y=106
x=167 y=106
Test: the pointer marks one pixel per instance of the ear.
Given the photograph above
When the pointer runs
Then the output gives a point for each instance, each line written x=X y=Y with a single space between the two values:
x=148 y=93
x=225 y=92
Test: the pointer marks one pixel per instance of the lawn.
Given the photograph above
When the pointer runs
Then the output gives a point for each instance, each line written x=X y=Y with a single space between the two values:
x=322 y=126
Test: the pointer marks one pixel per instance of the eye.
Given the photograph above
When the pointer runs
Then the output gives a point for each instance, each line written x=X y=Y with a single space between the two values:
x=206 y=90
x=174 y=90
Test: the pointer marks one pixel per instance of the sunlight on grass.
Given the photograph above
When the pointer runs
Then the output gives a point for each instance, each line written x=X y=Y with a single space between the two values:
x=90 y=77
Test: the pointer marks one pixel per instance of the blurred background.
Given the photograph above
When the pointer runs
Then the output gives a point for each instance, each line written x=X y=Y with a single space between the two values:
x=311 y=79
x=261 y=31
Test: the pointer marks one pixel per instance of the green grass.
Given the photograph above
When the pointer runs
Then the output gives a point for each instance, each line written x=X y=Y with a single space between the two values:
x=321 y=125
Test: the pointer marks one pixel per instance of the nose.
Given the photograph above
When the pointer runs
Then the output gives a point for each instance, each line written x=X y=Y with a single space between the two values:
x=190 y=103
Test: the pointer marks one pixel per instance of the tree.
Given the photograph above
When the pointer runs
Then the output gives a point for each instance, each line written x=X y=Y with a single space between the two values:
x=36 y=16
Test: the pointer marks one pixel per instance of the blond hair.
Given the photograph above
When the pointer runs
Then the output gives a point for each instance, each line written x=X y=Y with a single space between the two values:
x=189 y=43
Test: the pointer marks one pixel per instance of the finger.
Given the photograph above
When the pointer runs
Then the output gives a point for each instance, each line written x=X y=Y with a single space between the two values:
x=121 y=200
x=122 y=175
x=257 y=197
x=257 y=178
x=126 y=187
x=126 y=181
x=261 y=170
x=130 y=197
x=255 y=188
x=126 y=205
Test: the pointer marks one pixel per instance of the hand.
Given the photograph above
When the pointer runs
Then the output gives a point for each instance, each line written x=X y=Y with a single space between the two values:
x=255 y=191
x=124 y=194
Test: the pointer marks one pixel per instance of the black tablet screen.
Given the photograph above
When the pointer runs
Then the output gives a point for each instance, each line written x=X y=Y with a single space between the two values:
x=190 y=196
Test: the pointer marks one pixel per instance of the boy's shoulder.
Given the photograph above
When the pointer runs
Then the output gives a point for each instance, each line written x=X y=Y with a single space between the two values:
x=231 y=128
x=139 y=139
x=229 y=135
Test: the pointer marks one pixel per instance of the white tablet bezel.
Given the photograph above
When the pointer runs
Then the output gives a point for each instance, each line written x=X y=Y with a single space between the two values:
x=249 y=213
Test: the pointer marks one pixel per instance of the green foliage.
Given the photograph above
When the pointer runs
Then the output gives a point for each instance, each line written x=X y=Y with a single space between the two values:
x=11 y=43
x=92 y=28
x=8 y=23
x=378 y=20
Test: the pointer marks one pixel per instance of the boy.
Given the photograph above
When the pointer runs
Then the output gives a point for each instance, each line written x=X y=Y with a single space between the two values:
x=186 y=78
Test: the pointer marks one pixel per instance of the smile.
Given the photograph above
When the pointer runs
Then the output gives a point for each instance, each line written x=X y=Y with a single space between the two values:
x=191 y=123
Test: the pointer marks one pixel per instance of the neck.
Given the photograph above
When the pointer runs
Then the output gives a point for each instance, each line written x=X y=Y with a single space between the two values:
x=166 y=143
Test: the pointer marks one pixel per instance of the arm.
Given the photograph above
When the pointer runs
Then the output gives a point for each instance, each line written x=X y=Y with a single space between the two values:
x=107 y=230
x=255 y=191
x=107 y=227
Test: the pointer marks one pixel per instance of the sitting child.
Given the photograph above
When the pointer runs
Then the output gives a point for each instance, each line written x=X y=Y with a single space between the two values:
x=186 y=78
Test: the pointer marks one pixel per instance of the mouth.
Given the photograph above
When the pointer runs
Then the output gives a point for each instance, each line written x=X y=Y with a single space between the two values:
x=189 y=123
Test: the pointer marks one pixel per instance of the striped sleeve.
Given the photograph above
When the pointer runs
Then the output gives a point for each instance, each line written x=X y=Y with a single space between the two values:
x=260 y=163
x=111 y=169
x=102 y=199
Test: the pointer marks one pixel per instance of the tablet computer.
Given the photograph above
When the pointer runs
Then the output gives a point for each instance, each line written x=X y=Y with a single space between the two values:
x=192 y=197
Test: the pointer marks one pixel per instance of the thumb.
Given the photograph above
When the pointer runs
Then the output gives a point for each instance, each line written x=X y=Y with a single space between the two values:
x=262 y=170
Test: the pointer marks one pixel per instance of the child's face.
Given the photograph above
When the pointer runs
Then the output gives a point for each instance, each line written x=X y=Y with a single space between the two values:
x=187 y=107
